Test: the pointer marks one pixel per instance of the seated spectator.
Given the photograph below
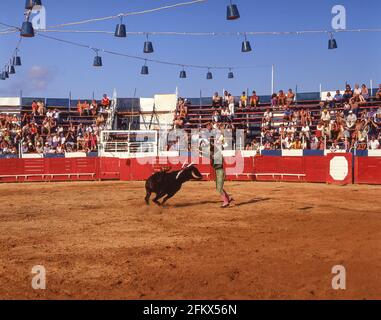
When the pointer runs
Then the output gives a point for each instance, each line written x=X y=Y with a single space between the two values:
x=290 y=97
x=79 y=108
x=226 y=116
x=106 y=102
x=243 y=100
x=338 y=98
x=281 y=99
x=351 y=120
x=86 y=108
x=374 y=144
x=325 y=117
x=40 y=108
x=216 y=101
x=93 y=108
x=287 y=115
x=216 y=116
x=348 y=93
x=378 y=94
x=329 y=100
x=364 y=94
x=274 y=100
x=34 y=108
x=267 y=117
x=356 y=94
x=254 y=100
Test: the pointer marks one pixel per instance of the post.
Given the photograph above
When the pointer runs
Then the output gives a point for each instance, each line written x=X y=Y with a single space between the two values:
x=371 y=88
x=321 y=90
x=272 y=79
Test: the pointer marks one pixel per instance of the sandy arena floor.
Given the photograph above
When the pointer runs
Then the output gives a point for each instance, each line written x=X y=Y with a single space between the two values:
x=99 y=240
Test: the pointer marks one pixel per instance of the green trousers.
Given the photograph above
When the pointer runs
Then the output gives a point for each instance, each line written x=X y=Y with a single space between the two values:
x=220 y=180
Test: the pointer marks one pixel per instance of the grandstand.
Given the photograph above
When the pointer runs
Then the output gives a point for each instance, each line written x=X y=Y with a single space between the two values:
x=158 y=114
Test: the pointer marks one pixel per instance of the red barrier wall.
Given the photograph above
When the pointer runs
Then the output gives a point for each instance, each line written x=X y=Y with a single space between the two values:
x=368 y=170
x=333 y=168
x=49 y=169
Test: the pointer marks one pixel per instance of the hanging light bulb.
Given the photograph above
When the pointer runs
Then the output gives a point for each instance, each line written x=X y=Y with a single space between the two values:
x=209 y=75
x=183 y=74
x=145 y=70
x=97 y=59
x=27 y=30
x=332 y=44
x=246 y=47
x=232 y=12
x=11 y=68
x=2 y=77
x=120 y=30
x=6 y=74
x=148 y=47
x=33 y=4
x=230 y=74
x=16 y=59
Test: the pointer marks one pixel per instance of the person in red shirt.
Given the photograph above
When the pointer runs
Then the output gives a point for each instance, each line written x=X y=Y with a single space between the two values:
x=106 y=101
x=34 y=107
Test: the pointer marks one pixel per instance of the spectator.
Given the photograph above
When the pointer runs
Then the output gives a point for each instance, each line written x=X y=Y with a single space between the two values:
x=378 y=94
x=34 y=108
x=274 y=100
x=243 y=100
x=231 y=103
x=216 y=101
x=290 y=97
x=364 y=94
x=254 y=100
x=281 y=99
x=338 y=98
x=374 y=144
x=329 y=100
x=348 y=94
x=106 y=102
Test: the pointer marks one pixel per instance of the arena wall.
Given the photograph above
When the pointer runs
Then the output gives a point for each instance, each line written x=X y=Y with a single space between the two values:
x=342 y=168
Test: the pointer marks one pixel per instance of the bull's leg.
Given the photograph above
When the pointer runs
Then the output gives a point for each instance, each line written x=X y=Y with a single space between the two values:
x=169 y=196
x=158 y=197
x=148 y=195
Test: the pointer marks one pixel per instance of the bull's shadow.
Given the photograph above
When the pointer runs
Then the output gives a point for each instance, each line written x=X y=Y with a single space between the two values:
x=236 y=204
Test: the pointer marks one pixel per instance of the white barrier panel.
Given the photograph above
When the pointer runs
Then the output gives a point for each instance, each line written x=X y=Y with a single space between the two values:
x=76 y=155
x=248 y=153
x=165 y=102
x=32 y=156
x=10 y=102
x=325 y=93
x=374 y=153
x=292 y=153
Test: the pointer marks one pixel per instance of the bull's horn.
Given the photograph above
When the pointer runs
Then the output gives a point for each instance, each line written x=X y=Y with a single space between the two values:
x=192 y=164
x=184 y=164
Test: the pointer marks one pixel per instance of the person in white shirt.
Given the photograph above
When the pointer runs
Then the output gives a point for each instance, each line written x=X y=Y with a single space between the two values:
x=374 y=144
x=306 y=130
x=325 y=116
x=351 y=120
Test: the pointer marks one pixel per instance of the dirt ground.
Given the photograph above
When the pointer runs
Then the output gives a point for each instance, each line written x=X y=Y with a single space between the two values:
x=98 y=240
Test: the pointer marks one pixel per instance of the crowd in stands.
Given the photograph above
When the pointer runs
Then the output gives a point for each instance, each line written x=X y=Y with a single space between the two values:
x=42 y=130
x=339 y=122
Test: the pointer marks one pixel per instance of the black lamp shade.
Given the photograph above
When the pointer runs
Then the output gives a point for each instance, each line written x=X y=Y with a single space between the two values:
x=29 y=4
x=183 y=74
x=17 y=61
x=11 y=70
x=120 y=31
x=148 y=47
x=97 y=61
x=145 y=70
x=230 y=75
x=2 y=76
x=6 y=74
x=27 y=30
x=246 y=47
x=209 y=76
x=332 y=44
x=232 y=12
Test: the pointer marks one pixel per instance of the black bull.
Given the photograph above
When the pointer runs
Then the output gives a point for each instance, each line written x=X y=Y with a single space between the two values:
x=169 y=183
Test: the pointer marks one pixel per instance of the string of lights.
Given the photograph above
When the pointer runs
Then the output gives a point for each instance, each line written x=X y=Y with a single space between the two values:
x=14 y=61
x=98 y=61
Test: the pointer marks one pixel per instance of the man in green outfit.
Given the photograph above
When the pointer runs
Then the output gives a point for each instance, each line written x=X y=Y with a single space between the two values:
x=217 y=162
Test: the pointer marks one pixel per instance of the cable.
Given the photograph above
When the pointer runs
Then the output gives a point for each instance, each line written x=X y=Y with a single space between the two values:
x=127 y=14
x=183 y=65
x=217 y=34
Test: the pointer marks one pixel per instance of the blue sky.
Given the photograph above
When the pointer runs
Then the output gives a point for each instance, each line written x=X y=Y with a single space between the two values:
x=53 y=69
